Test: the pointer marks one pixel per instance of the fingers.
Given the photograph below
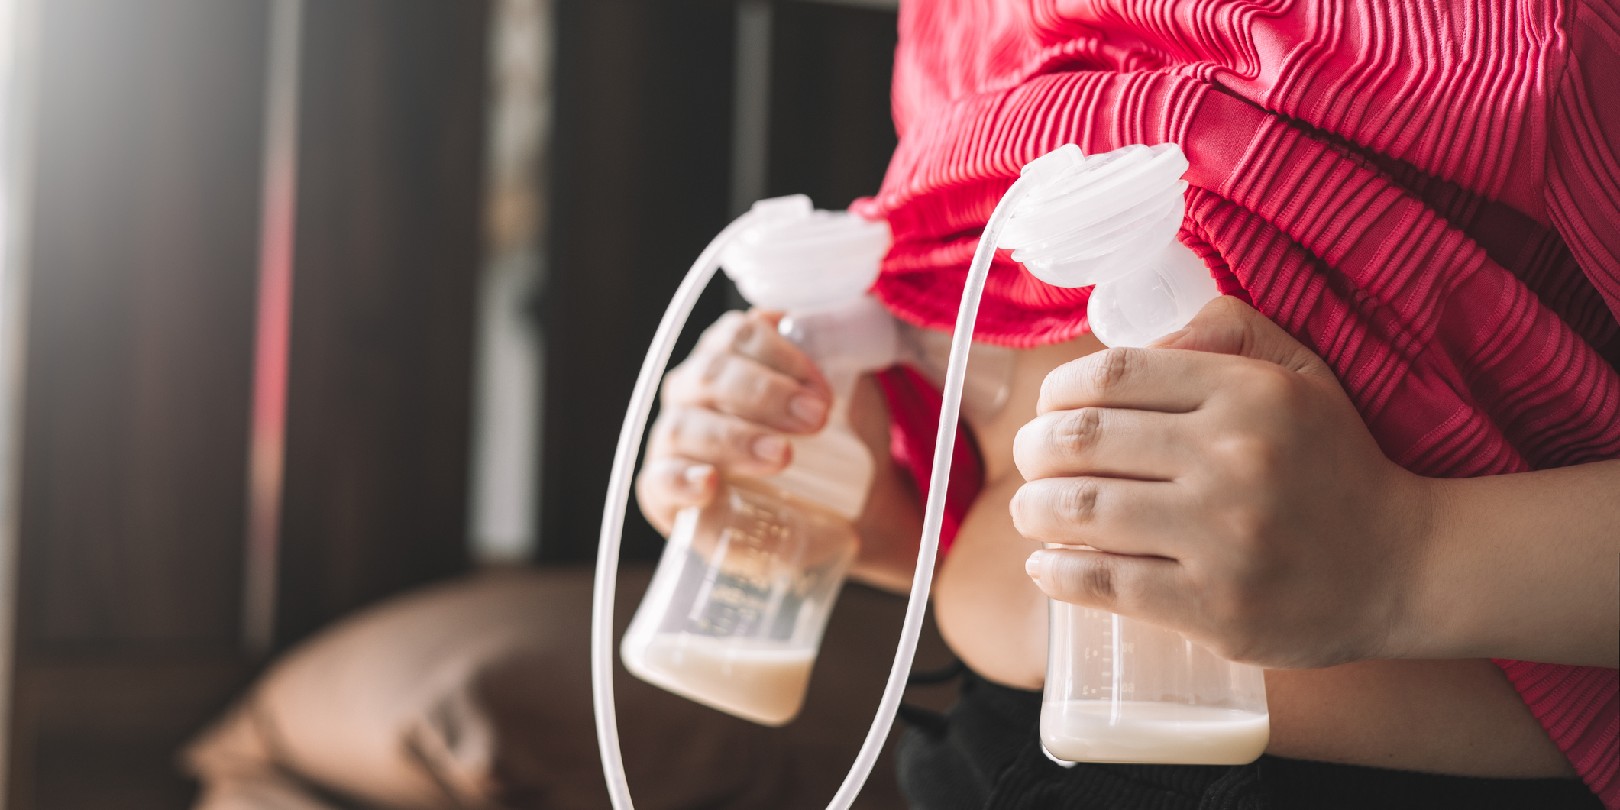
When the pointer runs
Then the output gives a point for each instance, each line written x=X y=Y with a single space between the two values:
x=753 y=335
x=672 y=483
x=726 y=409
x=1168 y=381
x=742 y=367
x=729 y=442
x=1145 y=445
x=747 y=388
x=1140 y=587
x=1110 y=514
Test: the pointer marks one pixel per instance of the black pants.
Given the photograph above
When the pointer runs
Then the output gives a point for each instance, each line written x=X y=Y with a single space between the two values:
x=984 y=754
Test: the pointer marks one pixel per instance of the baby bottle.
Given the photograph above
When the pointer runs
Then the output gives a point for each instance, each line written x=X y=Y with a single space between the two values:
x=1118 y=689
x=736 y=608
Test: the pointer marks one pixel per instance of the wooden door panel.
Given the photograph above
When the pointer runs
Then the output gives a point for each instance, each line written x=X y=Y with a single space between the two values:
x=140 y=320
x=140 y=360
x=378 y=390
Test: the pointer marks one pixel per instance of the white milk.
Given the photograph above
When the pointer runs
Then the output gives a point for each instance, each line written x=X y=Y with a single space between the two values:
x=759 y=681
x=1089 y=731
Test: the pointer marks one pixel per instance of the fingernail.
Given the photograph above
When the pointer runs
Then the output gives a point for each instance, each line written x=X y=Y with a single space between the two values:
x=808 y=408
x=696 y=477
x=770 y=448
x=1035 y=565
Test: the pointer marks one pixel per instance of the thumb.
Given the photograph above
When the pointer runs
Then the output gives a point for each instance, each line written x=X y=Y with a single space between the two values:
x=1226 y=325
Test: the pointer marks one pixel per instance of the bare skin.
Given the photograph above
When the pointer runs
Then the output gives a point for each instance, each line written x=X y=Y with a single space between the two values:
x=1455 y=716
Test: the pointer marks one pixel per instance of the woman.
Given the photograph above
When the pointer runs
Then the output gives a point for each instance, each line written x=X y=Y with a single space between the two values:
x=1422 y=201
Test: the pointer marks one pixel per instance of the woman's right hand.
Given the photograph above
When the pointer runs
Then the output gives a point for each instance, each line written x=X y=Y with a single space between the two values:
x=728 y=409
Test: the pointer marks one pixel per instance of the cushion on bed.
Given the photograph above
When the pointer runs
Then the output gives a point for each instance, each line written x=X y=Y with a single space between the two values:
x=476 y=694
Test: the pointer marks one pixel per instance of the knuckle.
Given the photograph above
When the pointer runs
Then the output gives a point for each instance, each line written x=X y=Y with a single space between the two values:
x=1077 y=503
x=754 y=391
x=749 y=392
x=732 y=435
x=1079 y=430
x=1246 y=458
x=1101 y=582
x=1112 y=368
x=1093 y=580
x=743 y=334
x=1271 y=385
x=674 y=428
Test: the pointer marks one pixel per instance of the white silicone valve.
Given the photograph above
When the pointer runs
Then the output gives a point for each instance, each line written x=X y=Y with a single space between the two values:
x=1111 y=220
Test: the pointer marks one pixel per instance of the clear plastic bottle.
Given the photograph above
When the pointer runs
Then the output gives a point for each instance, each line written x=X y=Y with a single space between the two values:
x=736 y=609
x=1118 y=689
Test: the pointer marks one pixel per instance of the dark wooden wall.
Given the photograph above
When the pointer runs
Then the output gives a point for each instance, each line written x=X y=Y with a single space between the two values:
x=830 y=132
x=379 y=391
x=140 y=312
x=639 y=181
x=139 y=373
x=143 y=300
x=642 y=179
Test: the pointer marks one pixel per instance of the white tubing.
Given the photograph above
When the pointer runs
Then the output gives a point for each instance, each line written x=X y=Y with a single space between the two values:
x=922 y=580
x=618 y=498
x=613 y=511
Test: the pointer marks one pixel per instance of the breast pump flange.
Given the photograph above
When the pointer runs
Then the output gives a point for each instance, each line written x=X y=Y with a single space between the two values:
x=1110 y=220
x=1070 y=248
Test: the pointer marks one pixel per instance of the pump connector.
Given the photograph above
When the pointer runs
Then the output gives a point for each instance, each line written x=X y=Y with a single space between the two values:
x=1110 y=220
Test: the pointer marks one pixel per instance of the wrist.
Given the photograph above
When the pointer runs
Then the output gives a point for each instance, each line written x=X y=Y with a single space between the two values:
x=1424 y=615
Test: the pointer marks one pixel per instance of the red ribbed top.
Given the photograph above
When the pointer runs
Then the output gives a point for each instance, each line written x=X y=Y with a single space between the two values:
x=1425 y=194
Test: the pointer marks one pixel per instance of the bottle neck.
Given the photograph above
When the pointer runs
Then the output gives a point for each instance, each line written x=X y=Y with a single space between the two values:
x=853 y=336
x=833 y=467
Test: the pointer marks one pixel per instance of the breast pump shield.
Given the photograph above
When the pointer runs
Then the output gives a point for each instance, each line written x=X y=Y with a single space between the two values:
x=737 y=606
x=1110 y=220
x=1117 y=689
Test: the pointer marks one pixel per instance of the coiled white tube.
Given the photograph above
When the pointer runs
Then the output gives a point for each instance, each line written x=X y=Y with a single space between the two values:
x=618 y=495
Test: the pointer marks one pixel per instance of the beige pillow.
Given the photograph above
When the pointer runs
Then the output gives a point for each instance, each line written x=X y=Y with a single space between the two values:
x=476 y=694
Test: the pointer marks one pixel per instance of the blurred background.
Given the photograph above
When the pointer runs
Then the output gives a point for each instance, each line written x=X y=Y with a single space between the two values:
x=308 y=303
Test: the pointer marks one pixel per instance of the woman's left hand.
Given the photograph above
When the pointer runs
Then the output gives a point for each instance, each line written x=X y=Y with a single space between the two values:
x=1222 y=484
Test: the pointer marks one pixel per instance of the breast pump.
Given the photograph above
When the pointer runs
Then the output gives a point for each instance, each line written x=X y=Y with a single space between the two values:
x=737 y=606
x=1119 y=689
